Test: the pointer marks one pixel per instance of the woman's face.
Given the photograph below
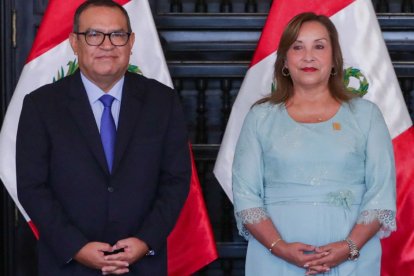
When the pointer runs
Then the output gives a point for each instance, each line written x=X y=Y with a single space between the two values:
x=309 y=58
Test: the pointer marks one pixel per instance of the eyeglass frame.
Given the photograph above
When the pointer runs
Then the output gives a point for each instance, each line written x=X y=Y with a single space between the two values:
x=104 y=36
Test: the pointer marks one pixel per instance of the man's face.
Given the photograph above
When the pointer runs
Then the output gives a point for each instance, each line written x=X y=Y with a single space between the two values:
x=104 y=64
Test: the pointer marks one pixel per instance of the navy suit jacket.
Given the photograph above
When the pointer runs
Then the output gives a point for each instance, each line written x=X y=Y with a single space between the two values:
x=64 y=184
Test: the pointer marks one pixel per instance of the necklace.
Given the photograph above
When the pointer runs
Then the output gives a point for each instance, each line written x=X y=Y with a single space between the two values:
x=308 y=116
x=319 y=117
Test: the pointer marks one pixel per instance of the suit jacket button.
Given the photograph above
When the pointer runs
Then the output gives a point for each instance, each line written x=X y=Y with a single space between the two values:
x=111 y=189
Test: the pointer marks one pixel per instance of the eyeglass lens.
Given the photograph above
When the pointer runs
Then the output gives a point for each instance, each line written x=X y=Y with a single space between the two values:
x=95 y=38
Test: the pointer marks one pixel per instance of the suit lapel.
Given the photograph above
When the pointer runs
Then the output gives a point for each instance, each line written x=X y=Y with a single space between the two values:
x=82 y=114
x=131 y=105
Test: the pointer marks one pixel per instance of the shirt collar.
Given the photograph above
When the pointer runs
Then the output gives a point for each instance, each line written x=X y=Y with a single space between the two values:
x=94 y=92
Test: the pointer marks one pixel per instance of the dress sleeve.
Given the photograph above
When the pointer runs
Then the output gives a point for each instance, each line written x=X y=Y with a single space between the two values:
x=247 y=176
x=379 y=199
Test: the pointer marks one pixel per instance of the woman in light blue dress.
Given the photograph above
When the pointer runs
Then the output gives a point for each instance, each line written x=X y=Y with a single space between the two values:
x=313 y=172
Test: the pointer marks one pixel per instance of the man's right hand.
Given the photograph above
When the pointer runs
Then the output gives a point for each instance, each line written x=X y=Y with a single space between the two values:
x=92 y=255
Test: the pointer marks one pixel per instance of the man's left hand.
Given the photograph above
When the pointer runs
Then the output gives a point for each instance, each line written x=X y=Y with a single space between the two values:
x=133 y=250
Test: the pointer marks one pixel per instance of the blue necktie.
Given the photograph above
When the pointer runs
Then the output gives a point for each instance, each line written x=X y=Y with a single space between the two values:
x=108 y=129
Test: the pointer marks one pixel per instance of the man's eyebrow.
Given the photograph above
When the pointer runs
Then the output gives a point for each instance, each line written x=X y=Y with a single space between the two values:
x=100 y=30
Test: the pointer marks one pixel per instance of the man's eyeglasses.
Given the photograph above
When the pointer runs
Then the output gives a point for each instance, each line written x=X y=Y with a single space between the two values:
x=96 y=38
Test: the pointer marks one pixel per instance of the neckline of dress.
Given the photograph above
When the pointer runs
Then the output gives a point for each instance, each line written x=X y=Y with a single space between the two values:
x=315 y=123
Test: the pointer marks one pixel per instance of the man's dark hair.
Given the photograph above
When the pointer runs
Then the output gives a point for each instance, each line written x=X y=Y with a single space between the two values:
x=98 y=3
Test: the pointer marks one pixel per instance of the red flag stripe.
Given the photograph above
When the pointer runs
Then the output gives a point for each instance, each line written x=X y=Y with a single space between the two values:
x=58 y=13
x=182 y=261
x=283 y=11
x=402 y=241
x=34 y=229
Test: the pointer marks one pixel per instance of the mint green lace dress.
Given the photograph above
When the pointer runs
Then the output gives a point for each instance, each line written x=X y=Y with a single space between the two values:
x=315 y=182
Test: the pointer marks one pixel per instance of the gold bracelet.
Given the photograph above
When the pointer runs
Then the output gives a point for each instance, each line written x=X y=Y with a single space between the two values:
x=274 y=244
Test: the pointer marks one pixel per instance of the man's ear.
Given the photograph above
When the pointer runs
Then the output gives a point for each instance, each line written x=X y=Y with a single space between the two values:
x=73 y=40
x=131 y=39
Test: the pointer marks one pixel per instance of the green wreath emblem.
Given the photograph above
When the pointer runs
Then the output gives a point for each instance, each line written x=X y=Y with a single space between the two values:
x=363 y=82
x=73 y=66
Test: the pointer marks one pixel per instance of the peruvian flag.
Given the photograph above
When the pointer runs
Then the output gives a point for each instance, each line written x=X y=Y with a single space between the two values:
x=52 y=58
x=366 y=62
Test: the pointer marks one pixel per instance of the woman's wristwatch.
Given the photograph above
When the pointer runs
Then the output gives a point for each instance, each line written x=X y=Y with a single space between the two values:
x=353 y=250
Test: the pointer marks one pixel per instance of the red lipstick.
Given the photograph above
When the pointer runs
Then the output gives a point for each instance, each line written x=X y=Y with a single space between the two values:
x=309 y=69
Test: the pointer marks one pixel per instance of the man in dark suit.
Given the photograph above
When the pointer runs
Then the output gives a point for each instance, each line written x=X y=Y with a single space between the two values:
x=103 y=182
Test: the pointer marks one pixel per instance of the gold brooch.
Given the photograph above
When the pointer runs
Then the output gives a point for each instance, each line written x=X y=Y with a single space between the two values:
x=336 y=126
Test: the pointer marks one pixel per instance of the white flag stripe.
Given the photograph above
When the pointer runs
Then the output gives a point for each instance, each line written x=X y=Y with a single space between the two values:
x=256 y=85
x=362 y=47
x=38 y=72
x=147 y=51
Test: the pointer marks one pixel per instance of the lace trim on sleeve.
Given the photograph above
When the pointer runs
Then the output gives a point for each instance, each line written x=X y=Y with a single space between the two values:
x=249 y=216
x=385 y=217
